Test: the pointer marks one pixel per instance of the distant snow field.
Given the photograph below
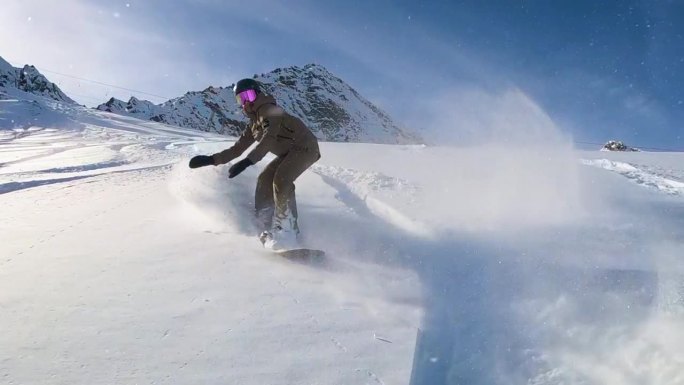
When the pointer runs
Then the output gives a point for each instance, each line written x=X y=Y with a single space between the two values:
x=480 y=265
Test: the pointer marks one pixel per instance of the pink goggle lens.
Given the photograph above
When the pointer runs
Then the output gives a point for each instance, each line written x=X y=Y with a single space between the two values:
x=246 y=96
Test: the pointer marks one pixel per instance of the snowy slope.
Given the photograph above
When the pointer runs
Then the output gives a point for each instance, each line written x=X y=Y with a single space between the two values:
x=330 y=107
x=520 y=266
x=662 y=172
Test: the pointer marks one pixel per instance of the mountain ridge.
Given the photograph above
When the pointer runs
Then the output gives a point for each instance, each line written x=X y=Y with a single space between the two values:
x=332 y=109
x=29 y=79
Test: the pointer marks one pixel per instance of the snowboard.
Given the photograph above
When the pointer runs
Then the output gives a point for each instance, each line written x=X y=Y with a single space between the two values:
x=298 y=253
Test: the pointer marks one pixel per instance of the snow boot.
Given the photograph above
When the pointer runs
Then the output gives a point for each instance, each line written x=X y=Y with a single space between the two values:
x=283 y=236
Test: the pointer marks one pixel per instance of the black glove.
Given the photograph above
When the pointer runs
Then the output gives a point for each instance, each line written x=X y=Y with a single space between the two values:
x=201 y=161
x=239 y=167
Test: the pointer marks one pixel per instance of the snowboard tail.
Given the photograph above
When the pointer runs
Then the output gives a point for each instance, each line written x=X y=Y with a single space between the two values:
x=301 y=253
x=296 y=252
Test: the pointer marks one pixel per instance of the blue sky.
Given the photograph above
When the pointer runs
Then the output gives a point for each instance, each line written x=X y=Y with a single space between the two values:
x=599 y=70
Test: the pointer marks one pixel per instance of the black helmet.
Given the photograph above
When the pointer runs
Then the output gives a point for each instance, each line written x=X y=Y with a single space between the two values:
x=246 y=84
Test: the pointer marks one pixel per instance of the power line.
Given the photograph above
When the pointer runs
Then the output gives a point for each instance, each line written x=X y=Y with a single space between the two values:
x=100 y=83
x=106 y=84
x=86 y=97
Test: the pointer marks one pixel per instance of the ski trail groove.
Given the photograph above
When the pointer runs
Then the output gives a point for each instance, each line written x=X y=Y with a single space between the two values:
x=9 y=187
x=339 y=345
x=44 y=155
x=649 y=177
x=52 y=235
x=372 y=375
x=358 y=190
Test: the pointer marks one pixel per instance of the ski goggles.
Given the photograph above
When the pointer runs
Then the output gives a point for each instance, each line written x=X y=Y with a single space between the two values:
x=246 y=96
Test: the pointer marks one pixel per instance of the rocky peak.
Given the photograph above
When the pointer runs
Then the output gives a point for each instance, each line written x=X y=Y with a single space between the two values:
x=29 y=79
x=5 y=66
x=616 y=145
x=332 y=109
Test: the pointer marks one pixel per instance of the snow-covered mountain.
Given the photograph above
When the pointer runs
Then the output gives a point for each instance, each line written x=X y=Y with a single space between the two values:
x=211 y=110
x=329 y=106
x=29 y=79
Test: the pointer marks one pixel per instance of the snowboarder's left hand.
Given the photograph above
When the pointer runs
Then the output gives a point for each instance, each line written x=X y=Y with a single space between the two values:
x=201 y=161
x=239 y=167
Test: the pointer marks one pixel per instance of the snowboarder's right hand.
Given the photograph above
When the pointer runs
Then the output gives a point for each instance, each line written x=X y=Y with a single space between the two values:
x=201 y=161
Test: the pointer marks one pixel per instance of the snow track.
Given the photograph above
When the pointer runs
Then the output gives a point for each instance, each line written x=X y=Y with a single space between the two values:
x=360 y=190
x=664 y=180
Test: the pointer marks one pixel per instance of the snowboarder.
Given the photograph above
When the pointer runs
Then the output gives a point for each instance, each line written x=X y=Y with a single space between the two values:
x=296 y=149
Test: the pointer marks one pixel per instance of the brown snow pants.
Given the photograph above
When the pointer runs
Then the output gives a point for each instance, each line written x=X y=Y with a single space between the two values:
x=275 y=189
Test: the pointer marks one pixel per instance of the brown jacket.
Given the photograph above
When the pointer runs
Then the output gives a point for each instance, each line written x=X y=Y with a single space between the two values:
x=276 y=131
